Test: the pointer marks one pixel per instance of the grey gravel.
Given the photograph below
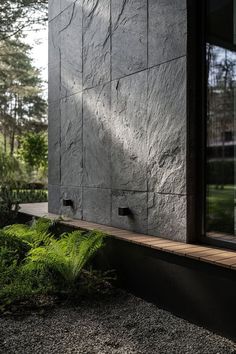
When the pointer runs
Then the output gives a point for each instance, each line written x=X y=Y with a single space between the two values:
x=120 y=324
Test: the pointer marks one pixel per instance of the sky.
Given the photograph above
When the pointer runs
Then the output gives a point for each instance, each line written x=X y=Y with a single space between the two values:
x=38 y=40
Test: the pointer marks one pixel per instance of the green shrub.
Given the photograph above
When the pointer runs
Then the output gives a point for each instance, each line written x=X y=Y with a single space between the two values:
x=65 y=258
x=12 y=248
x=35 y=235
x=10 y=173
x=30 y=195
x=8 y=206
x=220 y=172
x=33 y=261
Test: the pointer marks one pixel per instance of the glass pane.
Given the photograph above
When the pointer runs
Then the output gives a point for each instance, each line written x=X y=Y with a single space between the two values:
x=221 y=107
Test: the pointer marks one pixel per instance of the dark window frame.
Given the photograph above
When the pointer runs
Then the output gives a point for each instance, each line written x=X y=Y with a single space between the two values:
x=196 y=126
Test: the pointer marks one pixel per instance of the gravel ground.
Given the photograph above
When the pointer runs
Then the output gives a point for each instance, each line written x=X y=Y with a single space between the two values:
x=120 y=324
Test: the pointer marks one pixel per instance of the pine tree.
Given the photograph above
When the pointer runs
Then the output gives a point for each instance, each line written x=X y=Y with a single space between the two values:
x=16 y=15
x=22 y=106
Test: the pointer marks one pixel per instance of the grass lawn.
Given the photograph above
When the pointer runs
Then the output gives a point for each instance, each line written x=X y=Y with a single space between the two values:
x=220 y=208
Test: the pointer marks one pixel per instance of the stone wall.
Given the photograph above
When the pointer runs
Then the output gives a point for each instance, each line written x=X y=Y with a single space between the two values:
x=117 y=112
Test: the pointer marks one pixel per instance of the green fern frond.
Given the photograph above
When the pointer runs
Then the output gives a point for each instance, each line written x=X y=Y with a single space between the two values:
x=12 y=248
x=29 y=234
x=42 y=225
x=67 y=256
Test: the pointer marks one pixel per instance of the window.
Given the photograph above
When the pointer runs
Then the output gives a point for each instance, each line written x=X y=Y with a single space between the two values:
x=221 y=120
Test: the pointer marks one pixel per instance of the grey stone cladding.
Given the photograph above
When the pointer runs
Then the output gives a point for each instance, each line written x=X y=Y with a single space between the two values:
x=117 y=113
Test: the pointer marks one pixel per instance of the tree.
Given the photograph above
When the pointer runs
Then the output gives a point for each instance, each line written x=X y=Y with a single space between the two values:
x=33 y=150
x=220 y=105
x=16 y=15
x=22 y=106
x=10 y=173
x=10 y=170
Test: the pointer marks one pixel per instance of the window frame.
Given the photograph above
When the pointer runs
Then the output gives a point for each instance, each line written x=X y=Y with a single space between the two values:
x=200 y=120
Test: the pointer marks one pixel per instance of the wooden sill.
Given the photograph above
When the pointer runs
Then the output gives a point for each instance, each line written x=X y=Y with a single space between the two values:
x=208 y=254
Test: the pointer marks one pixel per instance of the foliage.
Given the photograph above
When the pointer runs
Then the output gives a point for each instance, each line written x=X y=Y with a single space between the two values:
x=12 y=252
x=220 y=209
x=15 y=15
x=8 y=206
x=30 y=195
x=33 y=261
x=22 y=106
x=220 y=172
x=65 y=258
x=12 y=249
x=10 y=172
x=35 y=235
x=96 y=280
x=33 y=150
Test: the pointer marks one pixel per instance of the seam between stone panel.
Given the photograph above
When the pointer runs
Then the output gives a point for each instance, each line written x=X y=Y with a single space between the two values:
x=147 y=154
x=111 y=204
x=82 y=57
x=136 y=72
x=60 y=141
x=146 y=140
x=72 y=94
x=71 y=18
x=125 y=190
x=123 y=77
x=61 y=12
x=110 y=41
x=147 y=32
x=151 y=67
x=59 y=48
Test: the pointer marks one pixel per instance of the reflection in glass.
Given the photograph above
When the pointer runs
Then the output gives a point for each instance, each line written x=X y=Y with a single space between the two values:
x=221 y=83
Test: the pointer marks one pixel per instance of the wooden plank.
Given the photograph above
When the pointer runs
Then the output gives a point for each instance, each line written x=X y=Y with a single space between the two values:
x=178 y=246
x=190 y=247
x=213 y=255
x=161 y=245
x=146 y=239
x=210 y=252
x=156 y=241
x=220 y=256
x=228 y=262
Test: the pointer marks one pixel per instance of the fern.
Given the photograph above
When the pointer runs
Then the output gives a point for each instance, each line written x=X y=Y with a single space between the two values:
x=34 y=235
x=64 y=259
x=12 y=248
x=33 y=261
x=43 y=224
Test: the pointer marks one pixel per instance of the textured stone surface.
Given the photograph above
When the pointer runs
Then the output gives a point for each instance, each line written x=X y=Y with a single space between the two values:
x=53 y=9
x=54 y=74
x=54 y=42
x=166 y=132
x=54 y=199
x=97 y=137
x=129 y=119
x=167 y=216
x=71 y=49
x=71 y=140
x=122 y=134
x=167 y=35
x=96 y=42
x=54 y=131
x=66 y=3
x=97 y=205
x=137 y=203
x=75 y=194
x=129 y=37
x=54 y=83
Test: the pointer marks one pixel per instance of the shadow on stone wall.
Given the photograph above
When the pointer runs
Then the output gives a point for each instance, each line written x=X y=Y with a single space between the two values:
x=122 y=142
